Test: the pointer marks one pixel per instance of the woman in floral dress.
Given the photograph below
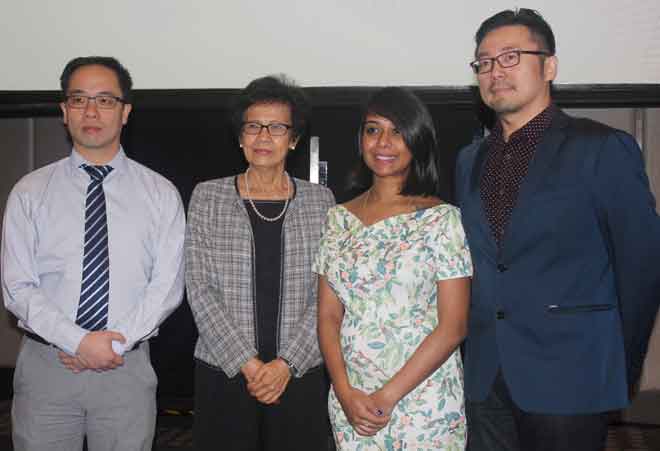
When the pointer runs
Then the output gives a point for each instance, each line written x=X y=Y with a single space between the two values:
x=394 y=286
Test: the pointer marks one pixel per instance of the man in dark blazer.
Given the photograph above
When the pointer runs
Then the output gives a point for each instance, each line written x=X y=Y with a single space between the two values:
x=566 y=248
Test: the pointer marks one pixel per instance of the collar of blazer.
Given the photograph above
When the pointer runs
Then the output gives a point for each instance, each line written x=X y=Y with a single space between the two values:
x=560 y=121
x=544 y=154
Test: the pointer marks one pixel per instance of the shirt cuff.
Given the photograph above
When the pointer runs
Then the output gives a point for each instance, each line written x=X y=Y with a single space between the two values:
x=118 y=347
x=71 y=339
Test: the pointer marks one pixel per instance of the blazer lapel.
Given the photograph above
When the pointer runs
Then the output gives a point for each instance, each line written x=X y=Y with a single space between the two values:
x=544 y=155
x=474 y=195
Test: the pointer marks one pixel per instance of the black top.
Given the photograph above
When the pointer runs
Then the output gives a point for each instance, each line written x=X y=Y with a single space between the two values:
x=268 y=246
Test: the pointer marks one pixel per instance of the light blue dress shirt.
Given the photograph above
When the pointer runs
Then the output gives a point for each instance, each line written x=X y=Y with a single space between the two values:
x=42 y=250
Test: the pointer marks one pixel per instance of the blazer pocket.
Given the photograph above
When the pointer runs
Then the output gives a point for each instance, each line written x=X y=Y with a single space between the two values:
x=579 y=308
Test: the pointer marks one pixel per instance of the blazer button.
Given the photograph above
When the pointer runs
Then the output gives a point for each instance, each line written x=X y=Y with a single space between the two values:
x=501 y=267
x=499 y=314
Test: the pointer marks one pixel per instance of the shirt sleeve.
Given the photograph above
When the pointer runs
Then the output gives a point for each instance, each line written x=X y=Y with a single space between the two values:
x=164 y=291
x=452 y=253
x=21 y=288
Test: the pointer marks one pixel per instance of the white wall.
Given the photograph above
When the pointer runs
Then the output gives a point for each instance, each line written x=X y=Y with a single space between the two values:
x=223 y=44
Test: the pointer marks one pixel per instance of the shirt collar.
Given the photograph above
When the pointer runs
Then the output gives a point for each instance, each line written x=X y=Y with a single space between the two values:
x=530 y=132
x=118 y=163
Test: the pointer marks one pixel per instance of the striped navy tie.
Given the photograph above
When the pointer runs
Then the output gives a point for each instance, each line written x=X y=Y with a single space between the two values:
x=95 y=289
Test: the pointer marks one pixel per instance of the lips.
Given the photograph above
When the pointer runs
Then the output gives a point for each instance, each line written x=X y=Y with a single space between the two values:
x=91 y=129
x=500 y=88
x=385 y=157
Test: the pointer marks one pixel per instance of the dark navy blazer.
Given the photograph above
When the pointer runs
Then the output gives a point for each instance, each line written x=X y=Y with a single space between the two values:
x=566 y=307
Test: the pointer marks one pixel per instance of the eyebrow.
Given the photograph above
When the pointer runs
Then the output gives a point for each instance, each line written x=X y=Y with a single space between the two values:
x=375 y=123
x=502 y=50
x=102 y=93
x=254 y=121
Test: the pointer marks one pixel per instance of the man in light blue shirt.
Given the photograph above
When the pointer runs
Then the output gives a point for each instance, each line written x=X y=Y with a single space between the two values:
x=92 y=264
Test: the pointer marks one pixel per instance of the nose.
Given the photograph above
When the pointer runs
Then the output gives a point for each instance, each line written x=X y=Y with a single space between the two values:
x=91 y=109
x=385 y=138
x=264 y=133
x=498 y=70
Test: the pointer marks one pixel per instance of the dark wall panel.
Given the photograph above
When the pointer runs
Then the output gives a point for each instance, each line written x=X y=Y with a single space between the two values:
x=192 y=145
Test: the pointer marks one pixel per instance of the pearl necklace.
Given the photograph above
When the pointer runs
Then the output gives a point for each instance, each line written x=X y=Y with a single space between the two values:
x=254 y=207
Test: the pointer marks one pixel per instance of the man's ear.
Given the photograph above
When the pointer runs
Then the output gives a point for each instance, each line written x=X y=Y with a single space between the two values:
x=63 y=108
x=124 y=114
x=550 y=67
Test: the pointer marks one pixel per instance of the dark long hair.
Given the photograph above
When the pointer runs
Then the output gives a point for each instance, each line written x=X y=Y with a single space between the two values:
x=413 y=120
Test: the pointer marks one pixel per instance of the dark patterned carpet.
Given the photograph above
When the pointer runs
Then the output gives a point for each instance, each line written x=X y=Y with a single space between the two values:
x=174 y=433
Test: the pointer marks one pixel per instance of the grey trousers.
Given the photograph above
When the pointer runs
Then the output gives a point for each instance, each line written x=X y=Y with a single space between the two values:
x=53 y=408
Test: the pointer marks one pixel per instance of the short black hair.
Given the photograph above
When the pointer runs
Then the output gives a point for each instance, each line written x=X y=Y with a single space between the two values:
x=413 y=120
x=535 y=23
x=123 y=76
x=273 y=89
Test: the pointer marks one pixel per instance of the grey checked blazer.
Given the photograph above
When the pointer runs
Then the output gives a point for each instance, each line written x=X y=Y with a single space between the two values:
x=219 y=275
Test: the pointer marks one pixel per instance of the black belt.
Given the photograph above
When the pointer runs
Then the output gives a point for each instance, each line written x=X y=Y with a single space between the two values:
x=38 y=339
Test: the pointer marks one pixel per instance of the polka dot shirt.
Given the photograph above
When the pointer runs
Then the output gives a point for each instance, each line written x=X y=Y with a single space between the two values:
x=505 y=169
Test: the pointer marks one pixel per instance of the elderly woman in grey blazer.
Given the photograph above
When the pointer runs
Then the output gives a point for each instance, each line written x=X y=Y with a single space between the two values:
x=250 y=245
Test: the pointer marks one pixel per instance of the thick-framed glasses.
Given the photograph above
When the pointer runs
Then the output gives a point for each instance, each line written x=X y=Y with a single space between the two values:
x=274 y=128
x=103 y=101
x=506 y=59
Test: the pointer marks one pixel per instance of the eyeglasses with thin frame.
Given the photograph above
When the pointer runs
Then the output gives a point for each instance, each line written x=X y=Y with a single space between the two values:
x=103 y=101
x=274 y=128
x=506 y=59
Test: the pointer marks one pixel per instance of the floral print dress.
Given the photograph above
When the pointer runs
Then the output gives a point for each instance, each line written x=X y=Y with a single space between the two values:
x=385 y=276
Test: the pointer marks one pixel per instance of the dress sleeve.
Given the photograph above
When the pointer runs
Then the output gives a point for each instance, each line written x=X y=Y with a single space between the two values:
x=452 y=253
x=325 y=250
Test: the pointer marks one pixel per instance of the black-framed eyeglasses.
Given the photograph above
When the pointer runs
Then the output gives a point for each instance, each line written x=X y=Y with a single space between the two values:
x=274 y=128
x=103 y=101
x=506 y=59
